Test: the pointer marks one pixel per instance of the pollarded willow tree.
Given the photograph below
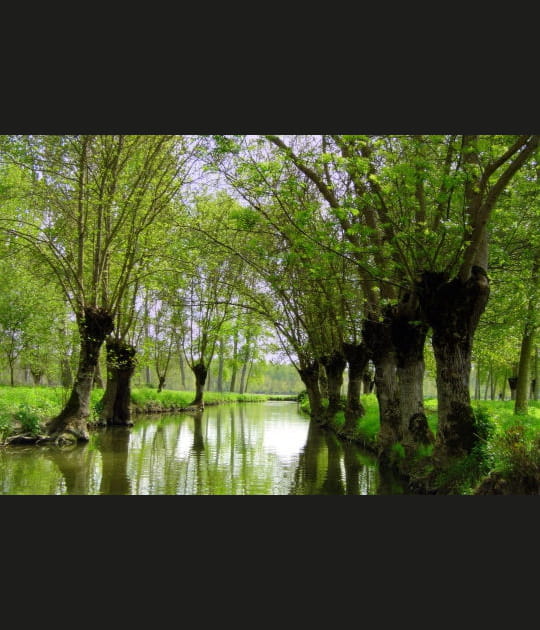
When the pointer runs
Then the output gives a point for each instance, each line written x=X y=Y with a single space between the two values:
x=316 y=236
x=420 y=206
x=87 y=208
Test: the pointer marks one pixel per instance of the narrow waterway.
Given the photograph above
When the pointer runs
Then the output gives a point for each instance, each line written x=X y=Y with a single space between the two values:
x=241 y=449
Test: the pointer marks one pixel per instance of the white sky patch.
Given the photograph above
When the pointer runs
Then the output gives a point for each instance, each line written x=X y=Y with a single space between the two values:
x=185 y=442
x=285 y=440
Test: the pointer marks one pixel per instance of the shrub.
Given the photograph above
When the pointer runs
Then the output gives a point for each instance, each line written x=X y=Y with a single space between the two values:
x=28 y=418
x=516 y=452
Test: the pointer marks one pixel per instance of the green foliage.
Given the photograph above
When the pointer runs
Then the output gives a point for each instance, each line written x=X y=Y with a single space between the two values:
x=150 y=400
x=29 y=419
x=516 y=451
x=462 y=474
x=303 y=401
x=368 y=425
x=97 y=407
x=338 y=420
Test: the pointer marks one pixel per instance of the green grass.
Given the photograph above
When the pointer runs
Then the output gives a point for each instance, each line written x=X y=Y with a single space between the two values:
x=512 y=447
x=149 y=399
x=30 y=407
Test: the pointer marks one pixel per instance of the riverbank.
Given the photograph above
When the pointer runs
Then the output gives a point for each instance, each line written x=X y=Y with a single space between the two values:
x=506 y=460
x=27 y=409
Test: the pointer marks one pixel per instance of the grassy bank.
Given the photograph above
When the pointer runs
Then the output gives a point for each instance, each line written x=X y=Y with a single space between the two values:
x=28 y=408
x=505 y=461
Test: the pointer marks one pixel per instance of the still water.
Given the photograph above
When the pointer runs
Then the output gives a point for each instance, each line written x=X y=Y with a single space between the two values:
x=250 y=449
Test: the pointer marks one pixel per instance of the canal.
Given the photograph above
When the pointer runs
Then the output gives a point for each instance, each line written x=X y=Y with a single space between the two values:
x=265 y=448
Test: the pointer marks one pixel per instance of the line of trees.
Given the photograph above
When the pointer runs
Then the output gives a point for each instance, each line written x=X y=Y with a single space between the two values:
x=354 y=250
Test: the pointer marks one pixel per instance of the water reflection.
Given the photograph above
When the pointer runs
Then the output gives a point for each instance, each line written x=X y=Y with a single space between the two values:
x=113 y=446
x=235 y=449
x=75 y=462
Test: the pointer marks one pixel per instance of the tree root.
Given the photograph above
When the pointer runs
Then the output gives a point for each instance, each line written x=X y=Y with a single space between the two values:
x=66 y=437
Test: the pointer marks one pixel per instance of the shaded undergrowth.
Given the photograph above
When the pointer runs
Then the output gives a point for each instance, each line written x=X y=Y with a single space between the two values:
x=504 y=460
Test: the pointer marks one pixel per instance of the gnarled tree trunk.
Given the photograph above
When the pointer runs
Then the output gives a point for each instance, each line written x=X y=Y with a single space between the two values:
x=378 y=339
x=94 y=325
x=323 y=381
x=334 y=366
x=310 y=378
x=357 y=358
x=116 y=401
x=409 y=337
x=98 y=379
x=200 y=371
x=66 y=377
x=453 y=309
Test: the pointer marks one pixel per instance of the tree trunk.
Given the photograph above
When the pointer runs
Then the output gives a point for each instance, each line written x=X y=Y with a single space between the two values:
x=378 y=339
x=221 y=363
x=486 y=387
x=181 y=363
x=503 y=393
x=323 y=382
x=161 y=383
x=357 y=358
x=116 y=401
x=493 y=382
x=527 y=343
x=200 y=371
x=66 y=377
x=453 y=309
x=521 y=405
x=94 y=325
x=310 y=378
x=234 y=362
x=477 y=383
x=334 y=366
x=98 y=379
x=242 y=388
x=409 y=337
x=248 y=375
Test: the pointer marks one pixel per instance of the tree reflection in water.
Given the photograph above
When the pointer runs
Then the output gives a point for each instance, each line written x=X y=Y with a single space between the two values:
x=113 y=445
x=76 y=463
x=235 y=449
